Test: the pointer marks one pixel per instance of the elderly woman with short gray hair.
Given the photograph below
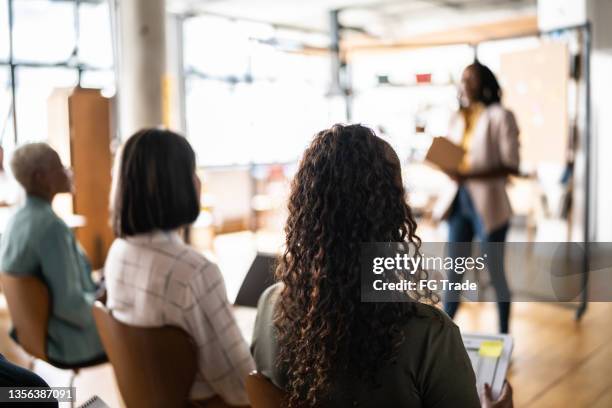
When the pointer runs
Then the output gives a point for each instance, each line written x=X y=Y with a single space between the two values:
x=38 y=243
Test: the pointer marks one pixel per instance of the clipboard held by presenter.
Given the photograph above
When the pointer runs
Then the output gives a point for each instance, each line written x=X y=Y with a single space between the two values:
x=445 y=155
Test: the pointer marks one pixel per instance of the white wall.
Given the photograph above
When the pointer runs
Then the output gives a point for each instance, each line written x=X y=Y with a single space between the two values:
x=559 y=13
x=599 y=13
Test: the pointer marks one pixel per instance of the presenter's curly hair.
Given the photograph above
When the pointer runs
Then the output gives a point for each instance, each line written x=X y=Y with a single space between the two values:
x=347 y=191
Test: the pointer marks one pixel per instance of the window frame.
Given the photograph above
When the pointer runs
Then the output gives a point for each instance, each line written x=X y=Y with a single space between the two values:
x=73 y=62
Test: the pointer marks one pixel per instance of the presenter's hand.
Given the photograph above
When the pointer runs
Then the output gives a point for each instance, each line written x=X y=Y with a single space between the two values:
x=504 y=400
x=455 y=176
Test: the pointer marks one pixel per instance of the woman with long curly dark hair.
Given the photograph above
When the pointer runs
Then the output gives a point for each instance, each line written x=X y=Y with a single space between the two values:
x=314 y=338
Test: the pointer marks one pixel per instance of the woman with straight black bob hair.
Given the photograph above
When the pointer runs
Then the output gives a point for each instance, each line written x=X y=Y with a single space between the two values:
x=157 y=186
x=154 y=279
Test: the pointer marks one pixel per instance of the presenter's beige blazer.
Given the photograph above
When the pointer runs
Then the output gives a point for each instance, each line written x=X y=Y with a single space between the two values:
x=494 y=144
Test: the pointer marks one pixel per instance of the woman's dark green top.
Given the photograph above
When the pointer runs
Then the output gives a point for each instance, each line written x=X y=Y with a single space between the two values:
x=433 y=368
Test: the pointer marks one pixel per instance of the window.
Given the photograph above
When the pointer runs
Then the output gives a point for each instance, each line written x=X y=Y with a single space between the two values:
x=231 y=124
x=34 y=86
x=52 y=42
x=250 y=96
x=214 y=46
x=95 y=39
x=44 y=31
x=214 y=114
x=99 y=79
x=6 y=120
x=4 y=31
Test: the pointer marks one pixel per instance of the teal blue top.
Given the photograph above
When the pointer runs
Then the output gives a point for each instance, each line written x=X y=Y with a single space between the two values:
x=36 y=242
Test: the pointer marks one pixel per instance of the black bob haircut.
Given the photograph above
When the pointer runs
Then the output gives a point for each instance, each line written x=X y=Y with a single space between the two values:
x=490 y=92
x=154 y=189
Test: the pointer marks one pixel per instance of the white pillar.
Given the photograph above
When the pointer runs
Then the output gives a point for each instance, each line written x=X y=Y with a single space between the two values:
x=142 y=64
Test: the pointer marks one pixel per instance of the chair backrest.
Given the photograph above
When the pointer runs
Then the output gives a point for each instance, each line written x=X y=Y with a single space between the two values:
x=262 y=392
x=155 y=367
x=29 y=306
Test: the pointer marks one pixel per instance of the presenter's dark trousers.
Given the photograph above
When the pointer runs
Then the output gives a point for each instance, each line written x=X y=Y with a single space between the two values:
x=465 y=224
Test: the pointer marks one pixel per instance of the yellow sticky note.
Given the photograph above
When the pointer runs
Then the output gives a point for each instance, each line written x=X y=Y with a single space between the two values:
x=491 y=348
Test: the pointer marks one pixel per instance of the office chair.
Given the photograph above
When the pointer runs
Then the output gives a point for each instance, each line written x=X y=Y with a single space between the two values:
x=262 y=393
x=29 y=305
x=155 y=367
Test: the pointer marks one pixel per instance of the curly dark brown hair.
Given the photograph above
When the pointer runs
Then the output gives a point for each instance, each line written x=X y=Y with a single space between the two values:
x=347 y=191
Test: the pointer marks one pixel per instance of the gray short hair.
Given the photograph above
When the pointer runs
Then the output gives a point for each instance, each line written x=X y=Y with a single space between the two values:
x=28 y=159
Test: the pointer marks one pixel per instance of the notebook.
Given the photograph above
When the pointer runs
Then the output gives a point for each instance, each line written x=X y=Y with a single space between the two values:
x=94 y=402
x=490 y=357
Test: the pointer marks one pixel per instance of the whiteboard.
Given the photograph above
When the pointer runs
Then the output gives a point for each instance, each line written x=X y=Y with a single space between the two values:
x=535 y=86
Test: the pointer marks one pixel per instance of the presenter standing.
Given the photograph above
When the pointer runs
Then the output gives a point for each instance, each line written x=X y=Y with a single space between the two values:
x=477 y=205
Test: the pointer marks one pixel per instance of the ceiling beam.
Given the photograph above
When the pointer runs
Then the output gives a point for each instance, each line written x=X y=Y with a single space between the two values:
x=515 y=27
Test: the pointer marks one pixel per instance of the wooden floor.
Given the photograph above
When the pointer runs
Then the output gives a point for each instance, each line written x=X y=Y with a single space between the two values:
x=556 y=361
